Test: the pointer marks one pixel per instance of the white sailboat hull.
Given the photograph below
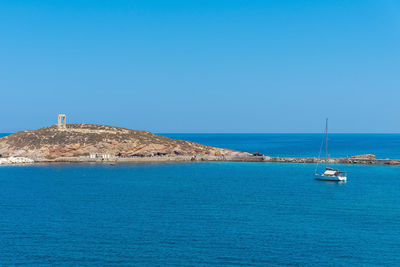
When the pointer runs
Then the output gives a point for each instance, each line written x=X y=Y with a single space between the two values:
x=330 y=177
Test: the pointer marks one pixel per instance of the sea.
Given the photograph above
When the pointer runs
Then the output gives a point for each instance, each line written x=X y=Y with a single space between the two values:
x=207 y=213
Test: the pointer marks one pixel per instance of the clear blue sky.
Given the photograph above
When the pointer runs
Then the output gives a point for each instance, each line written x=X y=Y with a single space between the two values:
x=201 y=66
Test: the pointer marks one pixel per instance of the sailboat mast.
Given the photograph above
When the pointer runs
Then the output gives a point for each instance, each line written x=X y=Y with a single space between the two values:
x=326 y=141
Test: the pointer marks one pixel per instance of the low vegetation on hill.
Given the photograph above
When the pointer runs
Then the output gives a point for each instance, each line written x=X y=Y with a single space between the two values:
x=85 y=139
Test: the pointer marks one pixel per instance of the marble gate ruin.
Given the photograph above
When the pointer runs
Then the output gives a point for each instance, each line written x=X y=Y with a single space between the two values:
x=62 y=121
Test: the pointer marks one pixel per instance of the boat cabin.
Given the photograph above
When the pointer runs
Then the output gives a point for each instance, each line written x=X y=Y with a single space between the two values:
x=331 y=172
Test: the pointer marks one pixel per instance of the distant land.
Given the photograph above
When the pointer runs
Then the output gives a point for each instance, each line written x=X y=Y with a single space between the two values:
x=100 y=143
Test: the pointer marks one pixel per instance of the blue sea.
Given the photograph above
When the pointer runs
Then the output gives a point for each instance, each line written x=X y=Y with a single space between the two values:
x=206 y=213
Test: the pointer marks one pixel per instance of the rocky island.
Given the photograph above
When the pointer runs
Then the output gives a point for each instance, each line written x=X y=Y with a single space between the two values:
x=90 y=142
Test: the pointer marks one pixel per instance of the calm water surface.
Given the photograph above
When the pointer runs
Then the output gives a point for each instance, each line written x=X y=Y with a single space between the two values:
x=220 y=214
x=198 y=214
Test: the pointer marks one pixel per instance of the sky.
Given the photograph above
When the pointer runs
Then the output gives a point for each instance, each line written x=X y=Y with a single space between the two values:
x=202 y=66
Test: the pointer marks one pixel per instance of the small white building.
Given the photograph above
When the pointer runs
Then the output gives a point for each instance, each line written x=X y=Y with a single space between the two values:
x=15 y=160
x=99 y=156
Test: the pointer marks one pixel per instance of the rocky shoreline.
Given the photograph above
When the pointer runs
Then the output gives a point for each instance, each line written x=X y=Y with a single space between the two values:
x=362 y=159
x=239 y=157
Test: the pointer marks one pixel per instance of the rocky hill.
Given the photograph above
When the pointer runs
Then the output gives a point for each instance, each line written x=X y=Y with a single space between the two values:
x=81 y=140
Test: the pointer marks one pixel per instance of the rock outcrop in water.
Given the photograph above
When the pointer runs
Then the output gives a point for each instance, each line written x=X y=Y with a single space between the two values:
x=80 y=141
x=365 y=156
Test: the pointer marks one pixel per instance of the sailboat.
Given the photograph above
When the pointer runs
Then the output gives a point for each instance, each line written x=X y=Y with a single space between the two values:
x=330 y=174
